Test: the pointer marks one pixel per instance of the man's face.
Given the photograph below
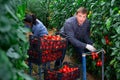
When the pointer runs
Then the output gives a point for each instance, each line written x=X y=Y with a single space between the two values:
x=81 y=18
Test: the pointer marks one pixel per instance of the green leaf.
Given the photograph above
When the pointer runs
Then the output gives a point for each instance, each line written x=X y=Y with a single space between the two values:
x=118 y=29
x=5 y=66
x=112 y=2
x=19 y=16
x=3 y=26
x=21 y=11
x=108 y=23
x=118 y=58
x=21 y=36
x=114 y=36
x=102 y=3
x=11 y=12
x=79 y=1
x=117 y=74
x=116 y=9
x=25 y=76
x=112 y=61
x=103 y=41
x=117 y=44
x=24 y=64
x=119 y=11
x=113 y=53
x=24 y=30
x=115 y=64
x=12 y=54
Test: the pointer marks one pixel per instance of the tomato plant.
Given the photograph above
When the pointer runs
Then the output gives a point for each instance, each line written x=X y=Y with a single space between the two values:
x=105 y=31
x=13 y=42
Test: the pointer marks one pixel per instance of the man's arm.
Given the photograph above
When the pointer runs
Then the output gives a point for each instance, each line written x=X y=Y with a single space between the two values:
x=71 y=37
x=87 y=36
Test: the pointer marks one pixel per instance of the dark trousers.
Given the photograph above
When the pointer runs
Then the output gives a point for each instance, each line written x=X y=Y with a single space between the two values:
x=79 y=52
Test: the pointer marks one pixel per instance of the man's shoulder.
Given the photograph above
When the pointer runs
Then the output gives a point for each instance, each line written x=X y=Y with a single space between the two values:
x=71 y=19
x=87 y=21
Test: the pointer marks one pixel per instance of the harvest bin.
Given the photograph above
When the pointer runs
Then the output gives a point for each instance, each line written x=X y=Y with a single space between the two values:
x=66 y=72
x=44 y=49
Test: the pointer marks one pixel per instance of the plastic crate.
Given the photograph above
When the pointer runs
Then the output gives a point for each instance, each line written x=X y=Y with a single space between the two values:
x=47 y=44
x=38 y=58
x=70 y=73
x=44 y=50
x=34 y=56
x=43 y=43
x=33 y=42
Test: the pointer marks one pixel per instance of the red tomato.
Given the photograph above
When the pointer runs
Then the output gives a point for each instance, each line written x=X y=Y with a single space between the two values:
x=65 y=66
x=106 y=37
x=60 y=70
x=49 y=37
x=99 y=63
x=94 y=55
x=64 y=70
x=107 y=41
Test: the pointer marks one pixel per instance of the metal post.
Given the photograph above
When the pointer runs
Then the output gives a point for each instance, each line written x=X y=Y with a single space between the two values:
x=84 y=66
x=30 y=67
x=40 y=73
x=102 y=65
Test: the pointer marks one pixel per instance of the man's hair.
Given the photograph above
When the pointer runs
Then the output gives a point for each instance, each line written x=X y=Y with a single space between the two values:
x=82 y=10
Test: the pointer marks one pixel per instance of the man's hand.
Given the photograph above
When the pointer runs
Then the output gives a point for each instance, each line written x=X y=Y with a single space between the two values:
x=90 y=47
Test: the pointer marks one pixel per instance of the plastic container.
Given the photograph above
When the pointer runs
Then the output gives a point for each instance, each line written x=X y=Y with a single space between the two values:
x=44 y=50
x=66 y=72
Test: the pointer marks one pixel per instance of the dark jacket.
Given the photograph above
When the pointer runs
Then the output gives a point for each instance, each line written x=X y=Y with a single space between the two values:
x=77 y=35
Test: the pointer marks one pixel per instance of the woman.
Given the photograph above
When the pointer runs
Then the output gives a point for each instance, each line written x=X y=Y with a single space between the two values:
x=37 y=27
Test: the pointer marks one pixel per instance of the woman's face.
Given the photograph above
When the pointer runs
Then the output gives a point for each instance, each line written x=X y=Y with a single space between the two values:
x=27 y=24
x=81 y=18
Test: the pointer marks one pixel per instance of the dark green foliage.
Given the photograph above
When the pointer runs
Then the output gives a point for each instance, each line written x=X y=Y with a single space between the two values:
x=13 y=42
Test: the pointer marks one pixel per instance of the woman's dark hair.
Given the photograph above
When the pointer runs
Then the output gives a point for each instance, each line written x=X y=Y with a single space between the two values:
x=34 y=18
x=30 y=18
